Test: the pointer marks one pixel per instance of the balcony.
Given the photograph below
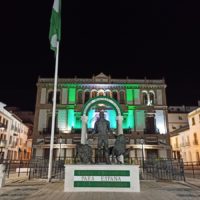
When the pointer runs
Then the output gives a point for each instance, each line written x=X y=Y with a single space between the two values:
x=156 y=131
x=152 y=140
x=47 y=131
x=3 y=126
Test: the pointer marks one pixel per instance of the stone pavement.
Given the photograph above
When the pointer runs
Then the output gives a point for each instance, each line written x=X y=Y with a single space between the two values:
x=19 y=188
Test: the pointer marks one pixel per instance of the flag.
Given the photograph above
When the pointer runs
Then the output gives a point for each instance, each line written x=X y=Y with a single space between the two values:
x=55 y=24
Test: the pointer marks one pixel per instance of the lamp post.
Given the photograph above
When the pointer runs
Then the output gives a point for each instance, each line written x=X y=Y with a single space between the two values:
x=142 y=143
x=60 y=142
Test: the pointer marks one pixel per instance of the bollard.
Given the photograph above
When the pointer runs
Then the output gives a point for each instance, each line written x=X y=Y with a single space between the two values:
x=2 y=175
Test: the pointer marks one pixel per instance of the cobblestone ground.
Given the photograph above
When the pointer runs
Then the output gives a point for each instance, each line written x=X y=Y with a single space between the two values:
x=23 y=189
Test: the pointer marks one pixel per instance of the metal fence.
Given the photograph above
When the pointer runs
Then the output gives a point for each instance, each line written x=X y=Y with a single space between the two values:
x=150 y=169
x=192 y=169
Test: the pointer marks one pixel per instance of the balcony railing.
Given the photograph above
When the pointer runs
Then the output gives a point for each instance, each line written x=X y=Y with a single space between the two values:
x=47 y=131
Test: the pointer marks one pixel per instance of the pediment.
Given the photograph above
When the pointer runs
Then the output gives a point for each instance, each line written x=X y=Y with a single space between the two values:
x=101 y=78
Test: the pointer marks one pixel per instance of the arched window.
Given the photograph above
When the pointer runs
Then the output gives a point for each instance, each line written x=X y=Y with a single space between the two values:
x=144 y=98
x=152 y=98
x=87 y=96
x=122 y=97
x=108 y=93
x=114 y=95
x=101 y=93
x=50 y=97
x=94 y=93
x=79 y=97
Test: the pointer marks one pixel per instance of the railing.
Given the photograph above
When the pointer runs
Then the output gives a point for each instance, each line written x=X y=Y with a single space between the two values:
x=150 y=169
x=192 y=169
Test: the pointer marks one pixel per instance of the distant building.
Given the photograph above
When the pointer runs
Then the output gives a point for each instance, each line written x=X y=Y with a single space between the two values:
x=178 y=116
x=13 y=136
x=185 y=141
x=27 y=118
x=134 y=107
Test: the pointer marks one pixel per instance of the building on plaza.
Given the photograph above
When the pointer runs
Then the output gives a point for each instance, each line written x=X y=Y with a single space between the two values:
x=136 y=108
x=185 y=141
x=178 y=116
x=27 y=117
x=13 y=136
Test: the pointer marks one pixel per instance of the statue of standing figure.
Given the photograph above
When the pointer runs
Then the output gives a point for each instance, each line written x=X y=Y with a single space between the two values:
x=102 y=129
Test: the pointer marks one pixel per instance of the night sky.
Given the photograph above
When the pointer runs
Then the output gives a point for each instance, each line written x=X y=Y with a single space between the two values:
x=152 y=39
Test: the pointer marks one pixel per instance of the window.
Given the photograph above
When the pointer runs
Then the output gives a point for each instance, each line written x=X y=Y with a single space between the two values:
x=144 y=98
x=195 y=139
x=87 y=96
x=193 y=121
x=180 y=118
x=114 y=94
x=79 y=97
x=108 y=93
x=58 y=97
x=197 y=156
x=122 y=99
x=50 y=97
x=152 y=98
x=94 y=94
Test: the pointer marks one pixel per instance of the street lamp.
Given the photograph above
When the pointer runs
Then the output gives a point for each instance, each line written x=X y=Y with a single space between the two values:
x=142 y=143
x=60 y=142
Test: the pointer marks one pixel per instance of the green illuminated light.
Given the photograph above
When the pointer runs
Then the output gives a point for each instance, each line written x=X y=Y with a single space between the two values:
x=130 y=119
x=91 y=118
x=71 y=119
x=129 y=95
x=112 y=118
x=72 y=95
x=140 y=120
x=62 y=119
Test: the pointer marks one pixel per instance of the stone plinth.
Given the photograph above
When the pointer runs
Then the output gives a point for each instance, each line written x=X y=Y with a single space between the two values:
x=102 y=178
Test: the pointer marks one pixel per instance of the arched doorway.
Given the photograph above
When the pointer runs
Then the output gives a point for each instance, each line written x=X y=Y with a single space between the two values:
x=97 y=104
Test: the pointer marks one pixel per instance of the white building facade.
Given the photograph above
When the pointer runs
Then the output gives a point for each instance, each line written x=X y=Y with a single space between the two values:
x=13 y=136
x=135 y=108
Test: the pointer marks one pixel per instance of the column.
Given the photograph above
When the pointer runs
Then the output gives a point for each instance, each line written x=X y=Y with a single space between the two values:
x=84 y=119
x=119 y=124
x=120 y=131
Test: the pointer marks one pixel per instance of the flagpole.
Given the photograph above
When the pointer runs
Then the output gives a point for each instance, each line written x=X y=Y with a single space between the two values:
x=53 y=114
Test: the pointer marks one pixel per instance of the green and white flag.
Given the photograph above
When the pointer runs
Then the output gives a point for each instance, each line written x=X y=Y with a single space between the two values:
x=55 y=24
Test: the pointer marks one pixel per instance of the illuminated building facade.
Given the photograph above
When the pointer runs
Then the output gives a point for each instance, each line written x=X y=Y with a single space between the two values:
x=136 y=108
x=13 y=136
x=185 y=141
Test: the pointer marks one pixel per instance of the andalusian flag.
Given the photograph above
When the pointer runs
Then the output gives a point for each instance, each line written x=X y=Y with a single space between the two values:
x=55 y=24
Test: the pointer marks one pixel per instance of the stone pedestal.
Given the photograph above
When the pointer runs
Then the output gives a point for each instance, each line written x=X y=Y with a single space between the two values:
x=2 y=175
x=102 y=178
x=84 y=119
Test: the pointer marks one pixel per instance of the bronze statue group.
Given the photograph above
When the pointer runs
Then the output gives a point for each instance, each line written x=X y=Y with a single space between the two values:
x=104 y=152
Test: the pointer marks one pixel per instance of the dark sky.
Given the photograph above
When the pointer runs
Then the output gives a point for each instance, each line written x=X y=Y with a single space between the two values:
x=152 y=39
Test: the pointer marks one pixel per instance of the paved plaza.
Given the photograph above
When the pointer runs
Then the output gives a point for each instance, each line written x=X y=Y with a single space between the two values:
x=35 y=189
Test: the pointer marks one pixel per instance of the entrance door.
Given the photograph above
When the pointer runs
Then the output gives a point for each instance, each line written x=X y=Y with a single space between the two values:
x=152 y=153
